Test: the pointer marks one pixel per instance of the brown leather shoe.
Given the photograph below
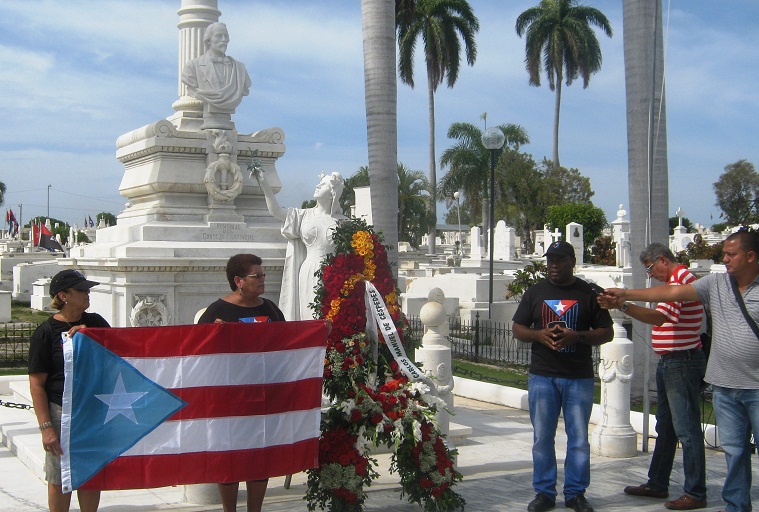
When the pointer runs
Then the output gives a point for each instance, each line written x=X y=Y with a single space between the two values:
x=685 y=502
x=645 y=490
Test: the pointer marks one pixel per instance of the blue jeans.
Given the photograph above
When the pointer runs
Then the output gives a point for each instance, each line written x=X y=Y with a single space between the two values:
x=548 y=397
x=737 y=412
x=678 y=418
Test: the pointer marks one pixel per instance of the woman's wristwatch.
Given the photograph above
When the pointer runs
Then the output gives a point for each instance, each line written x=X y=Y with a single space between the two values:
x=623 y=307
x=47 y=424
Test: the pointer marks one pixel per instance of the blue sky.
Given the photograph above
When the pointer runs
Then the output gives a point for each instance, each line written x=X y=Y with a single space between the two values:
x=75 y=75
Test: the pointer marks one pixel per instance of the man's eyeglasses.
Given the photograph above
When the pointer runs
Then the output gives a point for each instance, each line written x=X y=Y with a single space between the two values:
x=256 y=276
x=650 y=268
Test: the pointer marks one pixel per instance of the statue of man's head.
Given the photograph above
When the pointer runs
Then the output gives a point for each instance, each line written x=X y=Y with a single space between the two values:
x=216 y=38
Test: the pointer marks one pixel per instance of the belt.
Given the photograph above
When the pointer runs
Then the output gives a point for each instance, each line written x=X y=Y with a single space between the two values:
x=680 y=354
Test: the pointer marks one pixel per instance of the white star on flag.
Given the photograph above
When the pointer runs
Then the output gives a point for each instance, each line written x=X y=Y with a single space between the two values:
x=120 y=402
x=560 y=307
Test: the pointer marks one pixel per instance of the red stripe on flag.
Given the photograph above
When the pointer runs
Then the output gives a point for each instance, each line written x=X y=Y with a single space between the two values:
x=203 y=339
x=253 y=400
x=143 y=472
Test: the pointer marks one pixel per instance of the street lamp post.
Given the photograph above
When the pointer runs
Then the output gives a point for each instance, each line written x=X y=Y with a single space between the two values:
x=48 y=201
x=493 y=140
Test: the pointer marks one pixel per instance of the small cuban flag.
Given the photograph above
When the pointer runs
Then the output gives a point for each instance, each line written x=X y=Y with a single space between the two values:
x=108 y=406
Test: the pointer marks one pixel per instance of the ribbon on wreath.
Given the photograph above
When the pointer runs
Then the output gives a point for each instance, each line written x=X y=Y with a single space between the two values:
x=378 y=315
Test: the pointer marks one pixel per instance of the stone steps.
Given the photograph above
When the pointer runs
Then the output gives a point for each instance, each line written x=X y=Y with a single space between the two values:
x=18 y=429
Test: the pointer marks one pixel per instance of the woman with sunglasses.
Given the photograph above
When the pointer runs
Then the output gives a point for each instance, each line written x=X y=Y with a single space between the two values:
x=70 y=292
x=245 y=304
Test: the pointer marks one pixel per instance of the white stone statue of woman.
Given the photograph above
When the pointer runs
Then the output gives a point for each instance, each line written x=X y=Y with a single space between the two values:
x=309 y=240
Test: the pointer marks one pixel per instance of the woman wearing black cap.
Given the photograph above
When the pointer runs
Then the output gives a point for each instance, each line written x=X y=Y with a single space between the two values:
x=70 y=291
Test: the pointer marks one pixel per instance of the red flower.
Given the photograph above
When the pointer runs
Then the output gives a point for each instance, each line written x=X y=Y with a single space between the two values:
x=355 y=416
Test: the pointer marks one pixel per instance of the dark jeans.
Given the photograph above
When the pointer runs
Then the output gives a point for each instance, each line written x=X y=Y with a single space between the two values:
x=678 y=418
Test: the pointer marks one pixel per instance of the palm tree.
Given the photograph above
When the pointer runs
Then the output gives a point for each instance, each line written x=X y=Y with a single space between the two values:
x=561 y=42
x=413 y=213
x=378 y=25
x=439 y=24
x=469 y=165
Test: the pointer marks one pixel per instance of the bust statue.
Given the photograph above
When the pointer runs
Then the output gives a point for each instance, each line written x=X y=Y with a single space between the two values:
x=216 y=79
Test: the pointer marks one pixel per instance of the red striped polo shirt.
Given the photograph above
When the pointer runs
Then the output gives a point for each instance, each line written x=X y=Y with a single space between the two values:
x=683 y=325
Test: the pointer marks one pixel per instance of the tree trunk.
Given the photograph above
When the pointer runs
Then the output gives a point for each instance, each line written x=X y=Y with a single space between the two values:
x=378 y=25
x=556 y=112
x=433 y=172
x=646 y=142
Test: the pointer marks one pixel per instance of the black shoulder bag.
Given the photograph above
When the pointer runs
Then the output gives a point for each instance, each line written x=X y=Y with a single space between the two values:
x=739 y=299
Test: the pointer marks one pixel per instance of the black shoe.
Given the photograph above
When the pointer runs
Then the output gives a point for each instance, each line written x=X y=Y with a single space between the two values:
x=579 y=504
x=541 y=503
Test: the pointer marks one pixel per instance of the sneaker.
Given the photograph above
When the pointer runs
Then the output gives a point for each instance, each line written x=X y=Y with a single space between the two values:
x=579 y=504
x=685 y=502
x=645 y=490
x=541 y=503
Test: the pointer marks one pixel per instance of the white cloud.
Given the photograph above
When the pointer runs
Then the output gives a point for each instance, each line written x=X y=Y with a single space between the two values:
x=76 y=74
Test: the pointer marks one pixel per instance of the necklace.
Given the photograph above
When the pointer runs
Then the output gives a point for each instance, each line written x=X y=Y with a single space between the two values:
x=62 y=319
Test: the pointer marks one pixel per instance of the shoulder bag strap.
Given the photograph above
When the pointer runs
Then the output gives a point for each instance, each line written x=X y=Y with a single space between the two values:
x=739 y=299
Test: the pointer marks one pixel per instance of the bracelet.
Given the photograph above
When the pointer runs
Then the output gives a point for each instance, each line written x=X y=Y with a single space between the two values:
x=47 y=424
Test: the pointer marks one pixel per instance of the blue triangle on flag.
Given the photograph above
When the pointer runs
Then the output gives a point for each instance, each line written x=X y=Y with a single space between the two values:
x=109 y=407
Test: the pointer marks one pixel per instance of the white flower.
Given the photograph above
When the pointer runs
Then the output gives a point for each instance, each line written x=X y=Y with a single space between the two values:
x=434 y=400
x=419 y=387
x=417 y=430
x=347 y=407
x=363 y=444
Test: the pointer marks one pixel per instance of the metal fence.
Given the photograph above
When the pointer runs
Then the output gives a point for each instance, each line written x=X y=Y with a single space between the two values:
x=487 y=342
x=481 y=341
x=14 y=344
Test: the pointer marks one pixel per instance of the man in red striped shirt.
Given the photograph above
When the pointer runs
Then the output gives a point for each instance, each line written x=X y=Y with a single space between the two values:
x=682 y=365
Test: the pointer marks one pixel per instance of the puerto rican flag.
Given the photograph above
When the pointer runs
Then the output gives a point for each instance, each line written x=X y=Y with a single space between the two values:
x=157 y=406
x=564 y=309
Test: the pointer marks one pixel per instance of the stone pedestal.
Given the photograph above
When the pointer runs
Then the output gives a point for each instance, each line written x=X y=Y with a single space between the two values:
x=5 y=306
x=435 y=353
x=192 y=205
x=206 y=494
x=614 y=436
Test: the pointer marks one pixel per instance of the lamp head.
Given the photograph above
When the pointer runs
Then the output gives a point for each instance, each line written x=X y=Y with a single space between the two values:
x=493 y=138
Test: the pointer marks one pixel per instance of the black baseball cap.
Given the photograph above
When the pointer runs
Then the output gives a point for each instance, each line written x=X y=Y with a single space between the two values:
x=66 y=279
x=560 y=248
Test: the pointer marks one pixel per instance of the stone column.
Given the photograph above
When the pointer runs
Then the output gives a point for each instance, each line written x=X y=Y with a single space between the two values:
x=614 y=436
x=194 y=17
x=621 y=234
x=475 y=247
x=574 y=235
x=435 y=352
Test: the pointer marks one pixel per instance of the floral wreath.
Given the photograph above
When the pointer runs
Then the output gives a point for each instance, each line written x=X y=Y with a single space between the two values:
x=373 y=402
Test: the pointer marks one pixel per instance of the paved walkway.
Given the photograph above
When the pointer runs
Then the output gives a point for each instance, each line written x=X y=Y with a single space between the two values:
x=495 y=461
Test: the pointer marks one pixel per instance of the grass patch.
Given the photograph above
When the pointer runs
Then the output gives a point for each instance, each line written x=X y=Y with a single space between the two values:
x=21 y=312
x=516 y=377
x=12 y=371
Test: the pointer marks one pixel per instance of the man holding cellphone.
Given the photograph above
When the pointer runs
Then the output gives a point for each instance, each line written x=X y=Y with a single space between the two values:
x=561 y=318
x=682 y=364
